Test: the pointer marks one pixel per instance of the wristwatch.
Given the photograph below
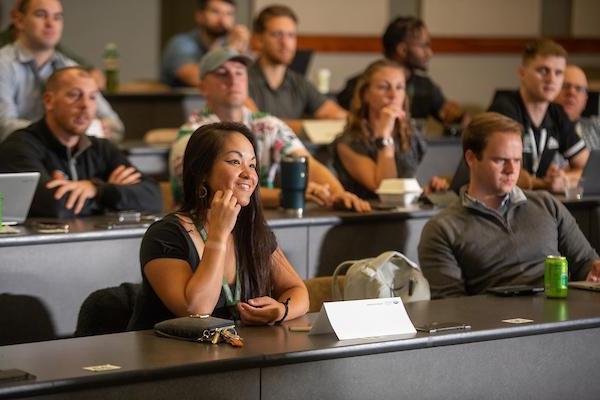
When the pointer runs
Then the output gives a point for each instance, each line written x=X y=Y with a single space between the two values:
x=383 y=142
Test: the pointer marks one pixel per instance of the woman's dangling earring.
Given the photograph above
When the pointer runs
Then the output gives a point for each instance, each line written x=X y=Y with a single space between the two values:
x=203 y=192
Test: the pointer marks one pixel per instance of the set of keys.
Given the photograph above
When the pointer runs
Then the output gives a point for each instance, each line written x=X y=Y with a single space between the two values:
x=229 y=336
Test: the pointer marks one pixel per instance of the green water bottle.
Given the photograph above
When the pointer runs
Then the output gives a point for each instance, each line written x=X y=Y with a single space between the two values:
x=111 y=67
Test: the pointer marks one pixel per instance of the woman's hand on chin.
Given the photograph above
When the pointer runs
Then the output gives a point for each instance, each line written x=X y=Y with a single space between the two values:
x=224 y=211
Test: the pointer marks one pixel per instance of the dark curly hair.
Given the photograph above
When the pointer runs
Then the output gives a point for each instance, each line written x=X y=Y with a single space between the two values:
x=398 y=31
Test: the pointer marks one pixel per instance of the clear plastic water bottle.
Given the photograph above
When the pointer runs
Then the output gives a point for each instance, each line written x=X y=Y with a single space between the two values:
x=111 y=67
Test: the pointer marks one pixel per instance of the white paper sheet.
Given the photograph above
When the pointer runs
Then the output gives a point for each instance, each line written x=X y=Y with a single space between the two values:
x=363 y=318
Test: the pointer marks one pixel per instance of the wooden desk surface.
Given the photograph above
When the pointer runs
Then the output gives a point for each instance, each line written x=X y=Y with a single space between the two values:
x=143 y=356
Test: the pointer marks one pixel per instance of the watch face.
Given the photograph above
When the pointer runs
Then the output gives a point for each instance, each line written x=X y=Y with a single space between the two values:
x=383 y=142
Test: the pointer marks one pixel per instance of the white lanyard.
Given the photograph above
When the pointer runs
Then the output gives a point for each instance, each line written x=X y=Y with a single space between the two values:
x=537 y=149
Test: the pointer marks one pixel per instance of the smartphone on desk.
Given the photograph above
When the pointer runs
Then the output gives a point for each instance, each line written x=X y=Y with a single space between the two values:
x=436 y=327
x=130 y=221
x=51 y=227
x=515 y=290
x=376 y=205
x=12 y=375
x=127 y=216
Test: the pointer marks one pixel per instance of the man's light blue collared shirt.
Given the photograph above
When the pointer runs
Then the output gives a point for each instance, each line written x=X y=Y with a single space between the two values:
x=22 y=86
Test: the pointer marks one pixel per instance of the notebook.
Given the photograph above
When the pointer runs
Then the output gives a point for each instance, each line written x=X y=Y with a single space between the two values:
x=18 y=190
x=591 y=174
x=595 y=286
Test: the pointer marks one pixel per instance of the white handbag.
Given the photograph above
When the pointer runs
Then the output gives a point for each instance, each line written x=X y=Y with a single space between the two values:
x=390 y=274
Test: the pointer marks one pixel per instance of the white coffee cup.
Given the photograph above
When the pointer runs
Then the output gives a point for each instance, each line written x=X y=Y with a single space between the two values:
x=323 y=79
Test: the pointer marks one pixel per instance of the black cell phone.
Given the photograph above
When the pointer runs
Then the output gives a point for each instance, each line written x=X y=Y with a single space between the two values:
x=11 y=375
x=123 y=225
x=51 y=227
x=515 y=290
x=126 y=216
x=436 y=327
x=383 y=206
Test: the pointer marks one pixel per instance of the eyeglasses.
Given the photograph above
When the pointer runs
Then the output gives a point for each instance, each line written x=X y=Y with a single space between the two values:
x=576 y=88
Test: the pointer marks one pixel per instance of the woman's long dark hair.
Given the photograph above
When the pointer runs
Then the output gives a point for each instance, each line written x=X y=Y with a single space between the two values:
x=254 y=240
x=358 y=117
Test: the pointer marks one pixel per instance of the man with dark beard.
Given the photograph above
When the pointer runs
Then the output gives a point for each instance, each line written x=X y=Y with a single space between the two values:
x=215 y=20
x=406 y=41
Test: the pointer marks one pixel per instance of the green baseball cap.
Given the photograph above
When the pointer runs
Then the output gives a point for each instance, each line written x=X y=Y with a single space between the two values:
x=219 y=56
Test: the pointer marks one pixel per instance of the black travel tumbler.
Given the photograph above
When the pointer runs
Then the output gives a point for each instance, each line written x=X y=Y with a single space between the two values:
x=294 y=178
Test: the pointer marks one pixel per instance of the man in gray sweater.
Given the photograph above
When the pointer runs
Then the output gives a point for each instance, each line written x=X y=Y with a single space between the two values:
x=496 y=234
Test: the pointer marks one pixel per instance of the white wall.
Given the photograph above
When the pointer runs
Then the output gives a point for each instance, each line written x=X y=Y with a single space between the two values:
x=482 y=17
x=585 y=18
x=351 y=17
x=134 y=25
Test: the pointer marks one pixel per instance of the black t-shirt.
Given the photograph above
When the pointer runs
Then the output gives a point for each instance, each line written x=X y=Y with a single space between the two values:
x=426 y=98
x=165 y=239
x=541 y=144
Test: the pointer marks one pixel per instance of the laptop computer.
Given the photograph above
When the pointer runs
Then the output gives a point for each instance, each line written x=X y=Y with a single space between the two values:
x=461 y=177
x=595 y=286
x=18 y=190
x=301 y=61
x=591 y=174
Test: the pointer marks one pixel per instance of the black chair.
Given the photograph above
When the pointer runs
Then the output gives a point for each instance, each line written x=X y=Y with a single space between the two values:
x=24 y=319
x=107 y=310
x=592 y=107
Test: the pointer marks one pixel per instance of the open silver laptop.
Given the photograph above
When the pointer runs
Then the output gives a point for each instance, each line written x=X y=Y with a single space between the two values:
x=17 y=190
x=595 y=286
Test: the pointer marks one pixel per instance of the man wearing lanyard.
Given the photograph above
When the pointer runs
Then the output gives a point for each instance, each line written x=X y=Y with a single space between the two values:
x=548 y=132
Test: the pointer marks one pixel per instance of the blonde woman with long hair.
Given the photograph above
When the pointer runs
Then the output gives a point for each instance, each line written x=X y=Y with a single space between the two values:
x=378 y=141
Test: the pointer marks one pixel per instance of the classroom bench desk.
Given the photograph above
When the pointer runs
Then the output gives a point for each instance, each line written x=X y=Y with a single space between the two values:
x=54 y=273
x=553 y=357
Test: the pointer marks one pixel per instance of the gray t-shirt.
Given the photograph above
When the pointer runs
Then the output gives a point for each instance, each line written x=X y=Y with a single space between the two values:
x=294 y=99
x=407 y=161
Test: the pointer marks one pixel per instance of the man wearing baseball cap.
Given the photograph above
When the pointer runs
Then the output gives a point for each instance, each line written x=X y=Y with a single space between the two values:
x=224 y=84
